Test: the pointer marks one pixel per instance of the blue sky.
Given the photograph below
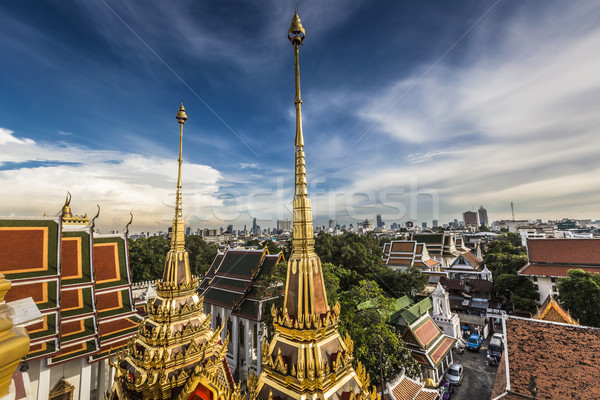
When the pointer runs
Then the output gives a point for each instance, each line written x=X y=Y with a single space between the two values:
x=412 y=109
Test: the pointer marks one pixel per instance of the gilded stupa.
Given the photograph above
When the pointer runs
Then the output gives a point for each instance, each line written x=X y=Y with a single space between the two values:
x=175 y=354
x=307 y=358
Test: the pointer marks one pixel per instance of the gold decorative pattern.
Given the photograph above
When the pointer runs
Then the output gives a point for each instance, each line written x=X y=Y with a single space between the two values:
x=307 y=358
x=175 y=352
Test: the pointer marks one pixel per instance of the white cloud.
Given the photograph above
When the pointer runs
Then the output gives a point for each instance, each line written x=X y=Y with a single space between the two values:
x=515 y=119
x=119 y=182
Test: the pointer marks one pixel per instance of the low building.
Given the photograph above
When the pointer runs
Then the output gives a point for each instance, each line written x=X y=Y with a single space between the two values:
x=468 y=266
x=440 y=247
x=402 y=254
x=547 y=360
x=551 y=259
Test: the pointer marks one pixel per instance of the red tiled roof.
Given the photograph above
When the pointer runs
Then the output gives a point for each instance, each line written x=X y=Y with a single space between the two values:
x=554 y=270
x=406 y=389
x=562 y=359
x=442 y=349
x=564 y=251
x=471 y=259
x=403 y=246
x=426 y=332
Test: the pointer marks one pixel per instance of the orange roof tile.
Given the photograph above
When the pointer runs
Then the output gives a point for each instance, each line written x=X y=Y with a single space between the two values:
x=562 y=360
x=564 y=251
x=554 y=270
x=426 y=332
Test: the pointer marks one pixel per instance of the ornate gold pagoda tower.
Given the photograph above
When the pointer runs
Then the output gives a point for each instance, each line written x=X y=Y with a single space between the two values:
x=175 y=354
x=307 y=358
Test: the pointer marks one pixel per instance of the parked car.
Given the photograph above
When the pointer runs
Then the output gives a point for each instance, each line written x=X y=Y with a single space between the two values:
x=454 y=374
x=495 y=347
x=446 y=390
x=474 y=342
x=498 y=336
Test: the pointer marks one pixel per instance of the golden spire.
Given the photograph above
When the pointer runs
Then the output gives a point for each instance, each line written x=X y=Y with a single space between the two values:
x=177 y=267
x=306 y=358
x=305 y=290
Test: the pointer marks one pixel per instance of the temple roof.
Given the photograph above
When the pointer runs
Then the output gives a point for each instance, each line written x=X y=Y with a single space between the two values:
x=559 y=360
x=551 y=310
x=234 y=281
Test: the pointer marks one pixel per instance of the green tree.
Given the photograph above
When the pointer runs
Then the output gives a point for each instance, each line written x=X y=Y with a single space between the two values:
x=580 y=294
x=201 y=254
x=517 y=289
x=377 y=345
x=271 y=246
x=147 y=257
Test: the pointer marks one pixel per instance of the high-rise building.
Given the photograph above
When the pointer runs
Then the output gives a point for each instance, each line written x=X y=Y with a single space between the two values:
x=229 y=228
x=255 y=228
x=284 y=225
x=424 y=225
x=380 y=223
x=331 y=223
x=471 y=218
x=483 y=217
x=307 y=358
x=435 y=223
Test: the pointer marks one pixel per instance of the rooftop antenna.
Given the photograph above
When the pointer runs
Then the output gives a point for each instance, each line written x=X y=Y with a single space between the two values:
x=512 y=208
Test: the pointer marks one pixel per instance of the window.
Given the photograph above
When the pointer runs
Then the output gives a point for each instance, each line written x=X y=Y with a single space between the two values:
x=553 y=280
x=63 y=390
x=535 y=278
x=554 y=290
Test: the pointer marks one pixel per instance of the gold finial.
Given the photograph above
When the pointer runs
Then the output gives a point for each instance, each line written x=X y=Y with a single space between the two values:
x=66 y=210
x=177 y=268
x=296 y=32
x=181 y=116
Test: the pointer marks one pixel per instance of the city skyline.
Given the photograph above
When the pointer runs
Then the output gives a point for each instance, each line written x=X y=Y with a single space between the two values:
x=472 y=103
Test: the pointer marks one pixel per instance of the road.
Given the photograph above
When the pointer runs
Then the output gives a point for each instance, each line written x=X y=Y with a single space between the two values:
x=479 y=378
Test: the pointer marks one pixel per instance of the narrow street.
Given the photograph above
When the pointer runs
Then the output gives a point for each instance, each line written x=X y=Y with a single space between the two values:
x=478 y=378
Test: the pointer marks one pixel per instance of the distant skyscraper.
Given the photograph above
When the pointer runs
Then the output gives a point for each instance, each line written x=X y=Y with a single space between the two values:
x=483 y=217
x=255 y=227
x=380 y=223
x=435 y=223
x=229 y=228
x=284 y=225
x=188 y=231
x=332 y=223
x=424 y=225
x=471 y=218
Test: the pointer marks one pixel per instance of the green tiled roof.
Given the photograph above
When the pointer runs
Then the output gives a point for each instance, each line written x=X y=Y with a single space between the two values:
x=85 y=259
x=50 y=348
x=127 y=306
x=52 y=249
x=124 y=276
x=89 y=348
x=89 y=329
x=240 y=263
x=49 y=331
x=87 y=305
x=222 y=297
x=249 y=309
x=230 y=283
x=416 y=311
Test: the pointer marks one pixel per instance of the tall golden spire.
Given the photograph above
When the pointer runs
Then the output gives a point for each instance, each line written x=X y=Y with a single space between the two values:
x=305 y=291
x=307 y=358
x=177 y=265
x=175 y=354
